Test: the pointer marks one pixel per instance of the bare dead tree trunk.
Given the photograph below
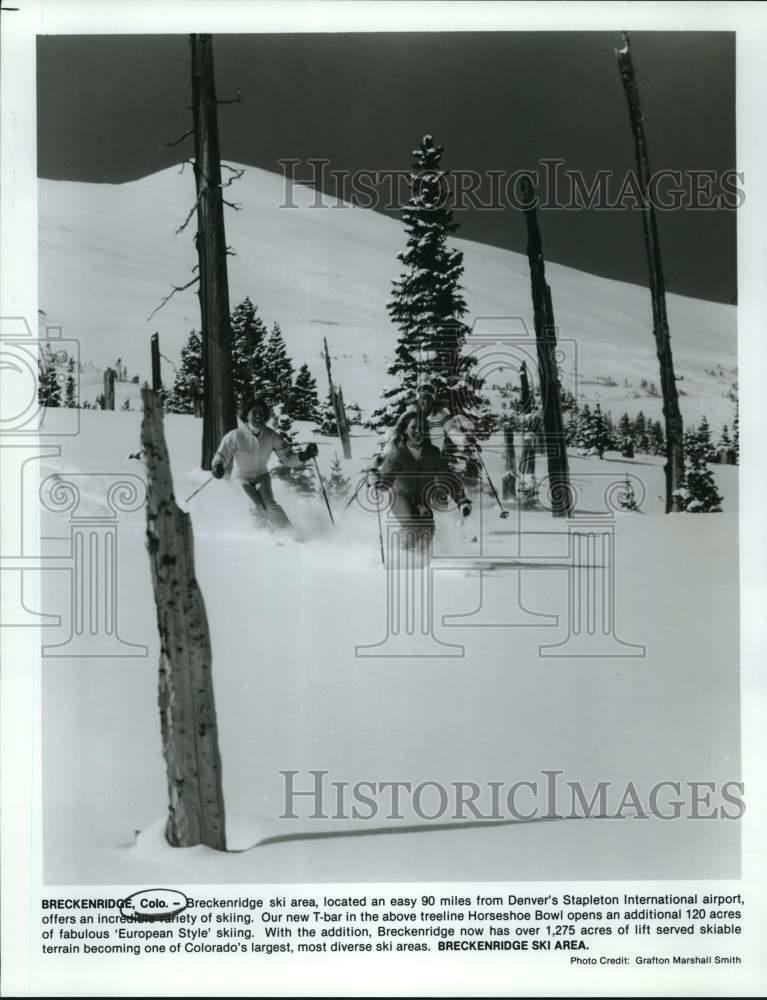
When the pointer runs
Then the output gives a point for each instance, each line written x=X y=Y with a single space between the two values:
x=526 y=401
x=109 y=389
x=672 y=415
x=187 y=707
x=219 y=406
x=156 y=370
x=509 y=481
x=337 y=399
x=548 y=374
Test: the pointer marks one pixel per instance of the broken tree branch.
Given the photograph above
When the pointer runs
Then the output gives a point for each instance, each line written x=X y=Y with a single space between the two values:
x=176 y=288
x=175 y=142
x=237 y=99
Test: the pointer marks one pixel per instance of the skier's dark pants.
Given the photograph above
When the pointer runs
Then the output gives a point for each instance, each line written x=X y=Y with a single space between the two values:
x=416 y=520
x=260 y=492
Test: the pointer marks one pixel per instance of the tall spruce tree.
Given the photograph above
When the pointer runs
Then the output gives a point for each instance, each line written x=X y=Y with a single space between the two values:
x=704 y=435
x=697 y=493
x=625 y=427
x=70 y=391
x=189 y=377
x=328 y=424
x=427 y=303
x=249 y=339
x=304 y=403
x=277 y=384
x=584 y=429
x=48 y=387
x=626 y=436
x=601 y=432
x=656 y=437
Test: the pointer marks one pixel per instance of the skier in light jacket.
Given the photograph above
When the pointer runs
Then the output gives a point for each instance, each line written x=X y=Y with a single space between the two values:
x=246 y=451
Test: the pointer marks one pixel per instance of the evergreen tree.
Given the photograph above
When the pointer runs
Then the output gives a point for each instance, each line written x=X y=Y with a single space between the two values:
x=704 y=435
x=736 y=433
x=328 y=425
x=641 y=434
x=601 y=432
x=725 y=441
x=697 y=493
x=304 y=403
x=572 y=426
x=625 y=427
x=70 y=393
x=337 y=484
x=427 y=304
x=584 y=434
x=48 y=388
x=626 y=436
x=628 y=500
x=249 y=364
x=354 y=414
x=277 y=383
x=189 y=377
x=304 y=480
x=656 y=438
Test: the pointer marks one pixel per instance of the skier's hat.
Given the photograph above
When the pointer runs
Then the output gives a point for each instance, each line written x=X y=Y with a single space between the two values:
x=258 y=403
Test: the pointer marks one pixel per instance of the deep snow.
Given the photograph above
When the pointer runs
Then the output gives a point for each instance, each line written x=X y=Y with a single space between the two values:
x=292 y=695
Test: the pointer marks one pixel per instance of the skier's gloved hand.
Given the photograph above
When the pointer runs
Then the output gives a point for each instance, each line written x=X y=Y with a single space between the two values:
x=217 y=470
x=310 y=451
x=464 y=505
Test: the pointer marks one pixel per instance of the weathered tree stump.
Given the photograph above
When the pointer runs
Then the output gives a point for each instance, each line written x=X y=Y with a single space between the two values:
x=109 y=389
x=509 y=481
x=187 y=707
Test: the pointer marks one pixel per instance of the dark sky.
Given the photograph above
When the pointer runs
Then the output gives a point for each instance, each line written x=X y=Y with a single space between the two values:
x=499 y=101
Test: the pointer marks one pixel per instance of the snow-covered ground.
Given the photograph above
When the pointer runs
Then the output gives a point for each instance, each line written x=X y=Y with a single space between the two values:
x=291 y=693
x=109 y=255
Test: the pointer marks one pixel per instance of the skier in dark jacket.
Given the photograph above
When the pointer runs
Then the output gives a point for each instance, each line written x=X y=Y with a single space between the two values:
x=414 y=470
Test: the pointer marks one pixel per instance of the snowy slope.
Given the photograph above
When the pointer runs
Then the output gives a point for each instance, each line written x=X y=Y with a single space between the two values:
x=108 y=255
x=290 y=691
x=292 y=694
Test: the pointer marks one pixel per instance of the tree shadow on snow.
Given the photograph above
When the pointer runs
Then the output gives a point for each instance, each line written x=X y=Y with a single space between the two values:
x=454 y=826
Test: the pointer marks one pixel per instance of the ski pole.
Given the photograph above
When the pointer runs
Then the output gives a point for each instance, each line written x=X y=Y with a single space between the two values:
x=380 y=535
x=354 y=495
x=322 y=487
x=504 y=512
x=209 y=480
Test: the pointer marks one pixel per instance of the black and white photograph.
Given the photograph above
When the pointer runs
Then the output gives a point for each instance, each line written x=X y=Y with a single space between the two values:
x=377 y=517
